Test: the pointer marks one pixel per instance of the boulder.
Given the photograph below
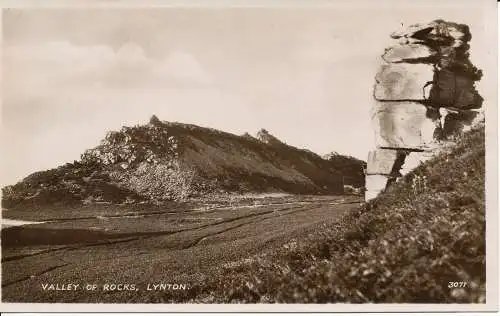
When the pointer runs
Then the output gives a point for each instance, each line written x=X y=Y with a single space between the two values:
x=409 y=52
x=438 y=31
x=385 y=162
x=375 y=184
x=415 y=159
x=370 y=195
x=403 y=81
x=425 y=97
x=414 y=30
x=405 y=125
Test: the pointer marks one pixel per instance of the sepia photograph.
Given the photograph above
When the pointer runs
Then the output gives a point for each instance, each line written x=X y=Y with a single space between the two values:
x=333 y=155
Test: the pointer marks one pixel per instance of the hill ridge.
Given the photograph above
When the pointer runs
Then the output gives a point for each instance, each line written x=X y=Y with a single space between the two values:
x=161 y=160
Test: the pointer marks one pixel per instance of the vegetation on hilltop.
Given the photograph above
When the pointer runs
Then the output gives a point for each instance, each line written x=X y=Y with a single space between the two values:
x=353 y=168
x=163 y=161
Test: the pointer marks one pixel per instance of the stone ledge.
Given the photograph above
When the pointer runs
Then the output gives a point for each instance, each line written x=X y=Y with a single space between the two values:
x=412 y=52
x=404 y=125
x=385 y=162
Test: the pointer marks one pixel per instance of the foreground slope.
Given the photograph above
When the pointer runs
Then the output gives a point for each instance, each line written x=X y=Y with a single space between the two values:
x=140 y=244
x=163 y=161
x=405 y=246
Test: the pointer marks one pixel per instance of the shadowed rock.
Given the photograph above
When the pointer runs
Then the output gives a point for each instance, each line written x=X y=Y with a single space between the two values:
x=454 y=90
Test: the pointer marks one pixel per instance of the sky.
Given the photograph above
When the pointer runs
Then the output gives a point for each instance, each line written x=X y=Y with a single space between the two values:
x=304 y=74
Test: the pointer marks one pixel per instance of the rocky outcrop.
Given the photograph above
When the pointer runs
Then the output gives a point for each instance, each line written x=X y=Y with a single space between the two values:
x=264 y=136
x=424 y=96
x=164 y=161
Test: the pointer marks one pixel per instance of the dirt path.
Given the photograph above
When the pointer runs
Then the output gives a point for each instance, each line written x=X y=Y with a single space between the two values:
x=15 y=222
x=183 y=247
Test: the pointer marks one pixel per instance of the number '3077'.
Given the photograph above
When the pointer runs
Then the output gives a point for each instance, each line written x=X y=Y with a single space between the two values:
x=452 y=284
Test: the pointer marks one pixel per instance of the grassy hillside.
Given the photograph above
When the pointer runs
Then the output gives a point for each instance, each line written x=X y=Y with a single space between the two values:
x=405 y=246
x=353 y=168
x=163 y=161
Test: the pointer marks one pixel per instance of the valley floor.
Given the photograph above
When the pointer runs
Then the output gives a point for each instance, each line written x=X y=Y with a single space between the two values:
x=148 y=253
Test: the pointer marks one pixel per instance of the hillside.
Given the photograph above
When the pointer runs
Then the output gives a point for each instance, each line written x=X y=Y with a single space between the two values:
x=162 y=161
x=352 y=168
x=406 y=246
x=427 y=230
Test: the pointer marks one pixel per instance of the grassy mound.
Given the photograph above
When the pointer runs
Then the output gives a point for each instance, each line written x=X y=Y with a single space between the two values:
x=405 y=246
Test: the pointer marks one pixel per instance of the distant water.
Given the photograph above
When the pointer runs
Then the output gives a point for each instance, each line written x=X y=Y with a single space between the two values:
x=14 y=222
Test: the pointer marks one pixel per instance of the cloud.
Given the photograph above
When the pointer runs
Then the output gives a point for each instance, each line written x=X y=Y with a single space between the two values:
x=183 y=67
x=42 y=67
x=53 y=92
x=327 y=49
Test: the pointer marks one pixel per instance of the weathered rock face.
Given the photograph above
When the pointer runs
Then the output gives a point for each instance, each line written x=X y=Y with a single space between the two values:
x=424 y=96
x=409 y=53
x=385 y=162
x=452 y=89
x=403 y=81
x=376 y=183
x=404 y=124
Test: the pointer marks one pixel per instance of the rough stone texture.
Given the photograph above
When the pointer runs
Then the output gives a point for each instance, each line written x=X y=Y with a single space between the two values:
x=403 y=81
x=385 y=162
x=454 y=90
x=455 y=123
x=409 y=53
x=444 y=33
x=413 y=31
x=437 y=31
x=402 y=125
x=415 y=159
x=370 y=195
x=425 y=96
x=375 y=183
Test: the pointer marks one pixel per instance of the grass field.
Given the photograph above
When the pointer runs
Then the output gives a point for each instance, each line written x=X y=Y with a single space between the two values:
x=181 y=243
